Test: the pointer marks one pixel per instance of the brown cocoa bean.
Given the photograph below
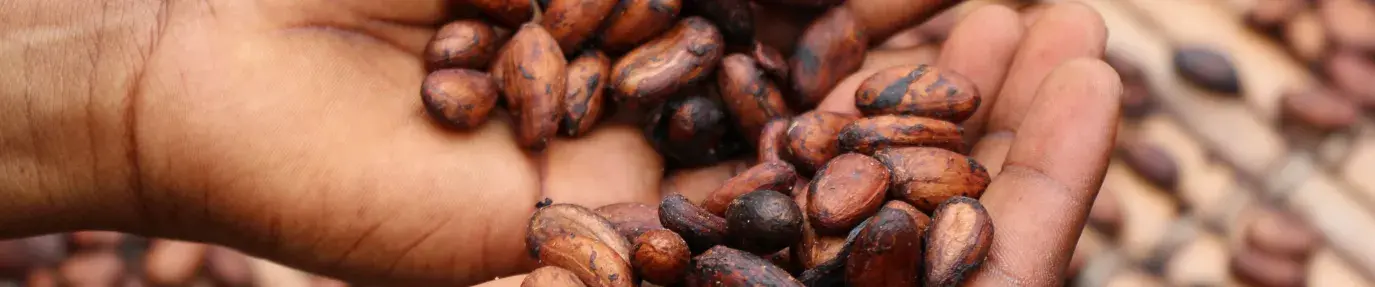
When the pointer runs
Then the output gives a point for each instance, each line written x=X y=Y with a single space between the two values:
x=684 y=55
x=1256 y=268
x=661 y=257
x=882 y=18
x=511 y=13
x=925 y=177
x=1152 y=162
x=631 y=219
x=888 y=251
x=1207 y=68
x=771 y=61
x=751 y=98
x=565 y=220
x=814 y=248
x=1306 y=37
x=832 y=48
x=691 y=131
x=723 y=266
x=468 y=44
x=1350 y=22
x=583 y=98
x=1319 y=108
x=459 y=98
x=957 y=242
x=920 y=90
x=1350 y=71
x=847 y=190
x=770 y=175
x=733 y=17
x=772 y=145
x=763 y=222
x=1267 y=15
x=832 y=272
x=633 y=22
x=531 y=72
x=571 y=22
x=551 y=276
x=1282 y=234
x=868 y=135
x=1106 y=213
x=812 y=139
x=586 y=258
x=918 y=217
x=700 y=228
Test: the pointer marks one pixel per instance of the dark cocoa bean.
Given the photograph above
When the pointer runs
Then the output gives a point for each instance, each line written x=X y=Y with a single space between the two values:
x=459 y=98
x=661 y=257
x=957 y=242
x=686 y=54
x=868 y=135
x=883 y=18
x=813 y=139
x=571 y=22
x=832 y=48
x=1207 y=68
x=565 y=220
x=1319 y=108
x=925 y=177
x=763 y=222
x=583 y=98
x=772 y=140
x=920 y=91
x=531 y=72
x=631 y=219
x=551 y=276
x=633 y=22
x=697 y=226
x=771 y=175
x=888 y=251
x=751 y=98
x=849 y=189
x=1153 y=163
x=723 y=266
x=690 y=131
x=732 y=16
x=467 y=44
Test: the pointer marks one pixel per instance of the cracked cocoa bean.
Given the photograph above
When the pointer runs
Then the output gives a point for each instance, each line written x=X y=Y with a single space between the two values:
x=830 y=49
x=684 y=55
x=771 y=175
x=723 y=266
x=957 y=242
x=925 y=177
x=868 y=135
x=849 y=189
x=531 y=72
x=583 y=98
x=569 y=220
x=920 y=90
x=633 y=22
x=661 y=257
x=763 y=222
x=467 y=44
x=459 y=98
x=697 y=226
x=751 y=98
x=631 y=219
x=888 y=251
x=812 y=139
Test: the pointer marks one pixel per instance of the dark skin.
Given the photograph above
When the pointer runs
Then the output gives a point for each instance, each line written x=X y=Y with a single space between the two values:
x=293 y=130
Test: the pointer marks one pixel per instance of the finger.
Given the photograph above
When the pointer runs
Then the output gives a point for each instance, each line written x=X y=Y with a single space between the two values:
x=1065 y=31
x=981 y=49
x=513 y=281
x=1052 y=174
x=612 y=164
x=172 y=262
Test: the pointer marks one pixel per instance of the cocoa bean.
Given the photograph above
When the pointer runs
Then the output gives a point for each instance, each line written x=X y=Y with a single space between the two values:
x=920 y=91
x=551 y=276
x=751 y=98
x=1350 y=71
x=918 y=217
x=684 y=55
x=832 y=272
x=700 y=228
x=868 y=135
x=888 y=251
x=832 y=48
x=723 y=266
x=882 y=18
x=772 y=145
x=784 y=259
x=569 y=220
x=571 y=22
x=771 y=175
x=467 y=44
x=1350 y=22
x=1268 y=15
x=1319 y=108
x=1256 y=268
x=1207 y=68
x=812 y=139
x=847 y=190
x=733 y=17
x=1138 y=98
x=531 y=72
x=631 y=219
x=1152 y=162
x=583 y=99
x=691 y=131
x=1282 y=234
x=586 y=258
x=957 y=242
x=511 y=13
x=925 y=177
x=763 y=222
x=459 y=98
x=813 y=249
x=771 y=61
x=632 y=22
x=661 y=257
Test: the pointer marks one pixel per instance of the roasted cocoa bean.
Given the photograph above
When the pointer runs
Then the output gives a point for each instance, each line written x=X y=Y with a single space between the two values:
x=723 y=266
x=631 y=219
x=1207 y=68
x=684 y=55
x=570 y=220
x=1152 y=162
x=849 y=189
x=1282 y=234
x=633 y=22
x=771 y=61
x=1257 y=268
x=882 y=18
x=832 y=48
x=751 y=98
x=1350 y=22
x=531 y=72
x=697 y=226
x=661 y=257
x=459 y=98
x=1319 y=108
x=957 y=242
x=510 y=13
x=772 y=144
x=1350 y=71
x=812 y=139
x=772 y=175
x=733 y=17
x=920 y=90
x=763 y=222
x=571 y=22
x=925 y=177
x=583 y=98
x=467 y=44
x=586 y=258
x=1306 y=37
x=888 y=251
x=551 y=276
x=1106 y=213
x=690 y=131
x=868 y=135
